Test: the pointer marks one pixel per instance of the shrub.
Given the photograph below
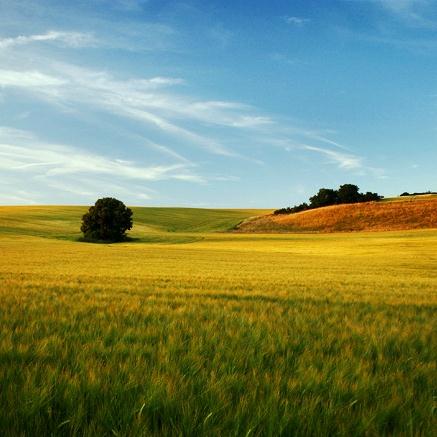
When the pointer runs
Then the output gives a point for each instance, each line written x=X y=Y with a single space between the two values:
x=107 y=220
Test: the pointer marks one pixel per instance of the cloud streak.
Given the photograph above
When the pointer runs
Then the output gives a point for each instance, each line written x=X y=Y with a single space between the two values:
x=69 y=39
x=20 y=151
x=343 y=160
x=30 y=80
x=140 y=99
x=149 y=102
x=36 y=171
x=296 y=21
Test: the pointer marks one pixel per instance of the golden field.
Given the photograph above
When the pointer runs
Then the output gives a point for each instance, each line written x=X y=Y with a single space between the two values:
x=191 y=331
x=415 y=212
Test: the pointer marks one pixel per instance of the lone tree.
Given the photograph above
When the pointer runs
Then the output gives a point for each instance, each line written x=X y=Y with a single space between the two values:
x=107 y=220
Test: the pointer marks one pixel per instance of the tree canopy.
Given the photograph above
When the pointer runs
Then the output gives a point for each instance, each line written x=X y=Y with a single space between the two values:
x=346 y=193
x=107 y=220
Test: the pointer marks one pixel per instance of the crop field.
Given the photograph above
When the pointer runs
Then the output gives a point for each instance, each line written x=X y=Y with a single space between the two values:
x=190 y=331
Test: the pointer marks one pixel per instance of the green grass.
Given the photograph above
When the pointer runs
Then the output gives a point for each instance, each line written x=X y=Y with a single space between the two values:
x=150 y=224
x=226 y=334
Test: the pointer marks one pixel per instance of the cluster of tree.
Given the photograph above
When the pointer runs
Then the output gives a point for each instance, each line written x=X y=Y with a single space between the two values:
x=418 y=194
x=347 y=193
x=107 y=220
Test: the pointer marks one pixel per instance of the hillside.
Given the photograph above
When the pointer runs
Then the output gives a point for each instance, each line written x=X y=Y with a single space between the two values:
x=394 y=214
x=150 y=224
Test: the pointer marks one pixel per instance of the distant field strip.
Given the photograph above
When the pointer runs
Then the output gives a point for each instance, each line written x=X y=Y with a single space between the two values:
x=227 y=334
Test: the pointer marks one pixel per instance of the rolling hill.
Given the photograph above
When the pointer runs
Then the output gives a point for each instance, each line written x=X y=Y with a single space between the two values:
x=150 y=224
x=390 y=215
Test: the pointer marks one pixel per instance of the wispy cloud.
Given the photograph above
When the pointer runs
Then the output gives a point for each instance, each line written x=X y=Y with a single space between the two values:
x=343 y=160
x=70 y=39
x=285 y=59
x=402 y=24
x=149 y=101
x=145 y=100
x=21 y=151
x=414 y=13
x=403 y=8
x=30 y=80
x=296 y=21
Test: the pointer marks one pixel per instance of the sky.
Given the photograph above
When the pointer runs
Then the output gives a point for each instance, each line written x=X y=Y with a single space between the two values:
x=218 y=103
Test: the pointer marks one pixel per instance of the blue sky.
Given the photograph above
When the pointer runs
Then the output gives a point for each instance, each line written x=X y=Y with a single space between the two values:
x=215 y=103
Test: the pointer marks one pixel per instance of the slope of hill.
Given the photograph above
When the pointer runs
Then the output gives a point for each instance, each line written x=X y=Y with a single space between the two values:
x=150 y=224
x=410 y=213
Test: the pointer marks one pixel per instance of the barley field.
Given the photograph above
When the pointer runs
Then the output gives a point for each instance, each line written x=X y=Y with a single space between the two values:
x=190 y=331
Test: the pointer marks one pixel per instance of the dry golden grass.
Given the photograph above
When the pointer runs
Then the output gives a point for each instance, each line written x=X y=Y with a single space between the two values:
x=371 y=216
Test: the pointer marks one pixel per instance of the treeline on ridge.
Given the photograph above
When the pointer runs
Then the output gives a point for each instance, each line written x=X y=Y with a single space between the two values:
x=418 y=194
x=347 y=193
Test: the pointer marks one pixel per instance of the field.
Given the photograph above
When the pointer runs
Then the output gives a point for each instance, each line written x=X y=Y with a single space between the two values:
x=190 y=331
x=400 y=213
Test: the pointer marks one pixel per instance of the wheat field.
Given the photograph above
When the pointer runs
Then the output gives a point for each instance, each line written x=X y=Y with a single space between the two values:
x=187 y=330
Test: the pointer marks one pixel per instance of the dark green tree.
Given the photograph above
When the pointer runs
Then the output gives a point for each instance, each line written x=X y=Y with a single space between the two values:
x=107 y=220
x=325 y=197
x=371 y=197
x=349 y=193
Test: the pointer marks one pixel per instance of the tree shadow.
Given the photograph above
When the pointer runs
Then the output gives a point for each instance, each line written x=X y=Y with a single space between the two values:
x=95 y=241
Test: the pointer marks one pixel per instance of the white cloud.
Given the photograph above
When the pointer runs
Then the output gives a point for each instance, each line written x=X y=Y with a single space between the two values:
x=346 y=161
x=145 y=100
x=30 y=79
x=69 y=39
x=21 y=151
x=149 y=102
x=296 y=21
x=162 y=81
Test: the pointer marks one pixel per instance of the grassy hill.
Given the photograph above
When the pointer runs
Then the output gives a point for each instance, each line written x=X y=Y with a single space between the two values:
x=150 y=224
x=403 y=213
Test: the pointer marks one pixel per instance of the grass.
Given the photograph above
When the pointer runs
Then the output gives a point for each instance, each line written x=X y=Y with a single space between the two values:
x=410 y=198
x=418 y=212
x=226 y=334
x=63 y=222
